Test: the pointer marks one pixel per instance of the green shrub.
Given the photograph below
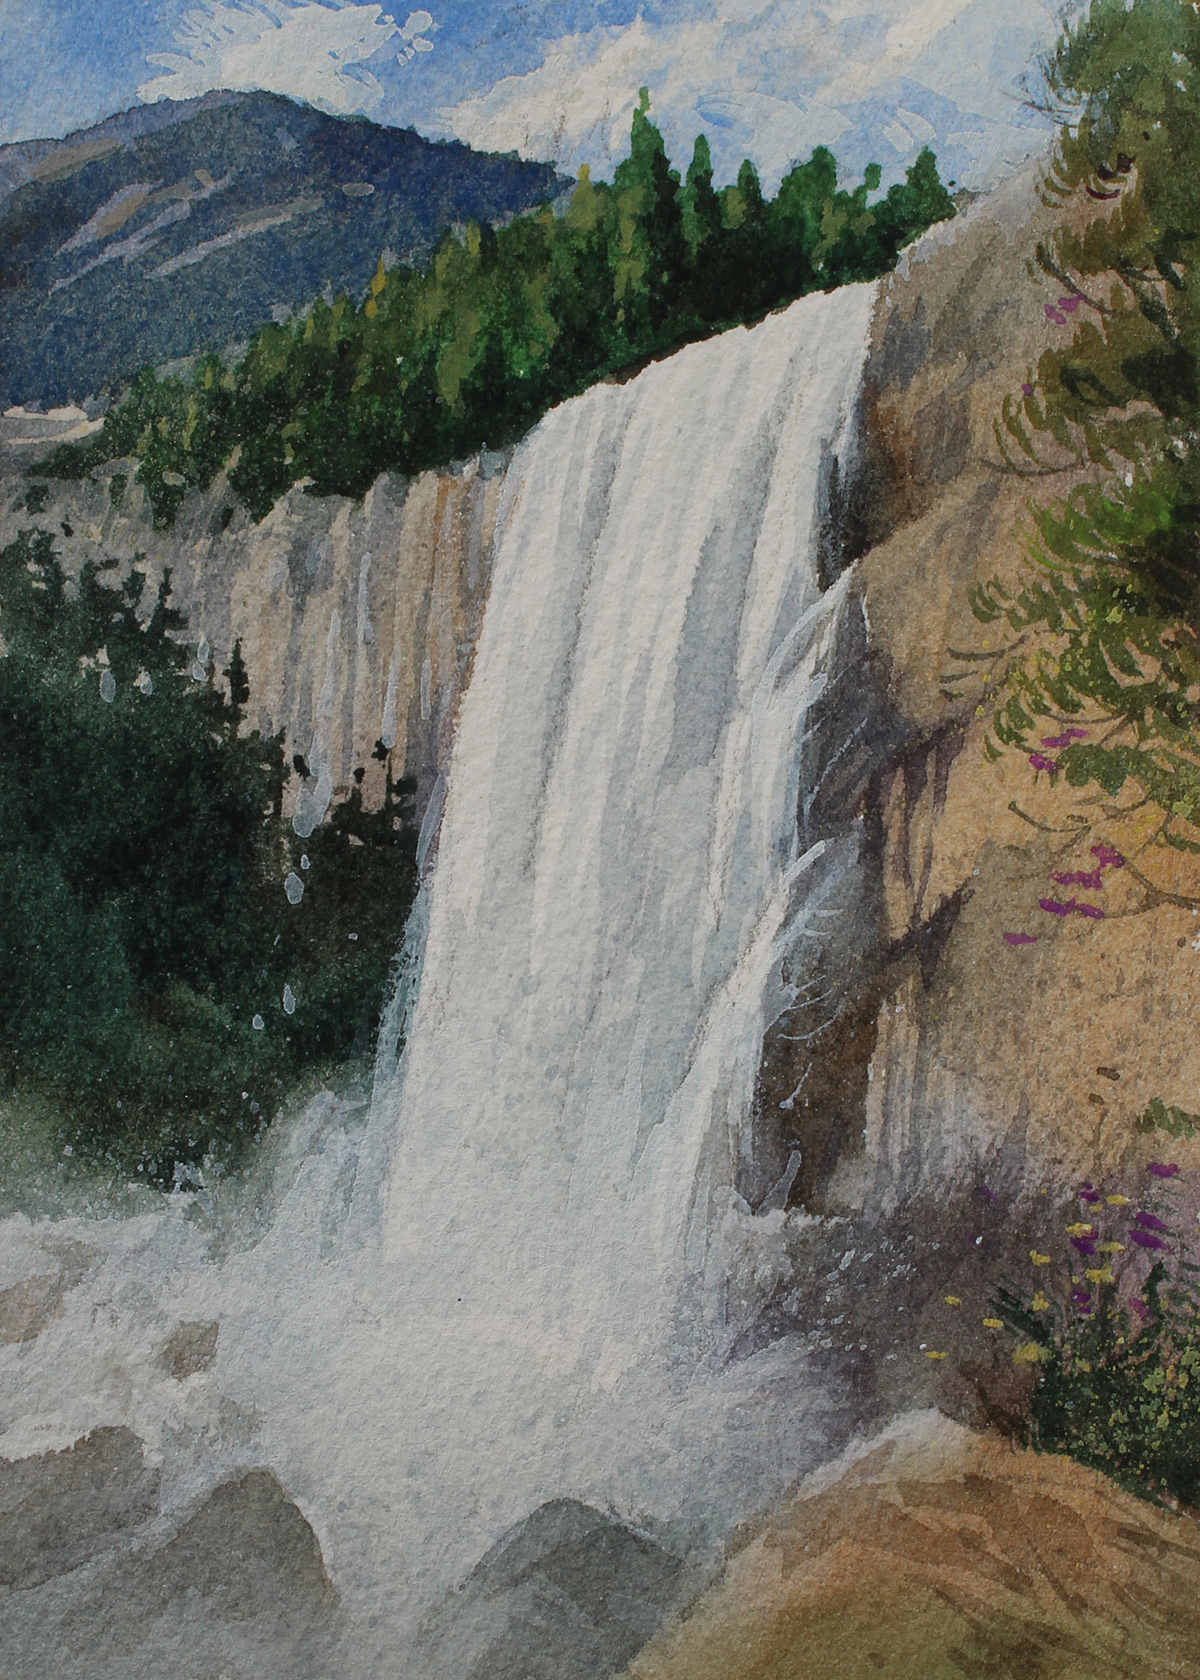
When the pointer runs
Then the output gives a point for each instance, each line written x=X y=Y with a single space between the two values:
x=1112 y=1335
x=146 y=934
x=1102 y=640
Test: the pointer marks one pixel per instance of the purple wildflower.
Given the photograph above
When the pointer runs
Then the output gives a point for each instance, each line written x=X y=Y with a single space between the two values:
x=1139 y=1306
x=1083 y=1245
x=1020 y=938
x=1068 y=305
x=1151 y=1222
x=1027 y=389
x=1065 y=739
x=1041 y=763
x=1146 y=1239
x=1092 y=879
x=1108 y=857
x=1087 y=1194
x=1054 y=315
x=1054 y=908
x=1092 y=911
x=1162 y=1169
x=1080 y=1297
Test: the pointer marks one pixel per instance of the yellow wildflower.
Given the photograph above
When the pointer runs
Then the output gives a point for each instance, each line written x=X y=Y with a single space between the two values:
x=1039 y=1303
x=1029 y=1353
x=953 y=1301
x=993 y=1324
x=1112 y=1248
x=1079 y=1229
x=1039 y=1259
x=935 y=1355
x=1118 y=1201
x=1099 y=1274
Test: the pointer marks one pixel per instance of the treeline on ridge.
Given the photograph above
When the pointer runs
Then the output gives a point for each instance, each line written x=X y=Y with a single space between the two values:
x=502 y=324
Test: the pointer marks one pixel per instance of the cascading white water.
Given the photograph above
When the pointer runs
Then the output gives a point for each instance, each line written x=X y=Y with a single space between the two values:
x=533 y=1309
x=619 y=874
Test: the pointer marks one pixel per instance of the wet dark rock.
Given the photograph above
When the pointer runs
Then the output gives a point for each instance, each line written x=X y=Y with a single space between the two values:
x=570 y=1594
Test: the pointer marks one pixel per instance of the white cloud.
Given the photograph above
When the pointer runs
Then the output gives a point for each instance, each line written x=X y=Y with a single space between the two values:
x=311 y=51
x=413 y=36
x=576 y=107
x=773 y=78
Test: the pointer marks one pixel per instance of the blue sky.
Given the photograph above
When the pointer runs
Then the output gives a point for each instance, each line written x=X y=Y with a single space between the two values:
x=875 y=79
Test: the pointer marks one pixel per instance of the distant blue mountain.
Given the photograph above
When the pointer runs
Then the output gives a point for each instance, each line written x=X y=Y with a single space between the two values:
x=181 y=227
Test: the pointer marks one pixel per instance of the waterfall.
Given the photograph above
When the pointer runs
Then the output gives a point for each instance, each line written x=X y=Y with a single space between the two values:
x=623 y=897
x=518 y=1277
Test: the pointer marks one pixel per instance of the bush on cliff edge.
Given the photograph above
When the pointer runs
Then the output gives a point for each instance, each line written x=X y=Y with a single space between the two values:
x=1103 y=637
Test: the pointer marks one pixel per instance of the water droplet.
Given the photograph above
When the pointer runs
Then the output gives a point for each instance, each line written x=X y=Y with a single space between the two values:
x=258 y=1023
x=294 y=888
x=108 y=686
x=289 y=1001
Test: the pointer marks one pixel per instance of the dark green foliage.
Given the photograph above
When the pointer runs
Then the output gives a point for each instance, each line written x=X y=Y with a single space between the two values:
x=1115 y=1347
x=144 y=922
x=1107 y=630
x=503 y=323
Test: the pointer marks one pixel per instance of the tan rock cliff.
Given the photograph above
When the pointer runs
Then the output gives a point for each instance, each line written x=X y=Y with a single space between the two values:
x=956 y=1052
x=356 y=620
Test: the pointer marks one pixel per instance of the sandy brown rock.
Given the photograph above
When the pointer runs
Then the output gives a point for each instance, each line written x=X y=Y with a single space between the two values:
x=938 y=1554
x=954 y=1050
x=959 y=326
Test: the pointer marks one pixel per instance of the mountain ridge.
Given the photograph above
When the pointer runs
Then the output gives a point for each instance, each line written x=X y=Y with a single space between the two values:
x=158 y=234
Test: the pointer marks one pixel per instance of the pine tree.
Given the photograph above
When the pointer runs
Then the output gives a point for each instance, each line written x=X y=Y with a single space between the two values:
x=652 y=255
x=699 y=205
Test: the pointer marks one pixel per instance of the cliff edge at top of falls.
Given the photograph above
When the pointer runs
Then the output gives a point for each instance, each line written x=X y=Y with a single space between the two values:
x=954 y=1054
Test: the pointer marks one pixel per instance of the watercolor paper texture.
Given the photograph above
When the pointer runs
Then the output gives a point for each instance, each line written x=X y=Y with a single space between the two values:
x=600 y=859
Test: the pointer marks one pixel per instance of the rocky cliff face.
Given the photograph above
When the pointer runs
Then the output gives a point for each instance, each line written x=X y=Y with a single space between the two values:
x=356 y=620
x=953 y=1052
